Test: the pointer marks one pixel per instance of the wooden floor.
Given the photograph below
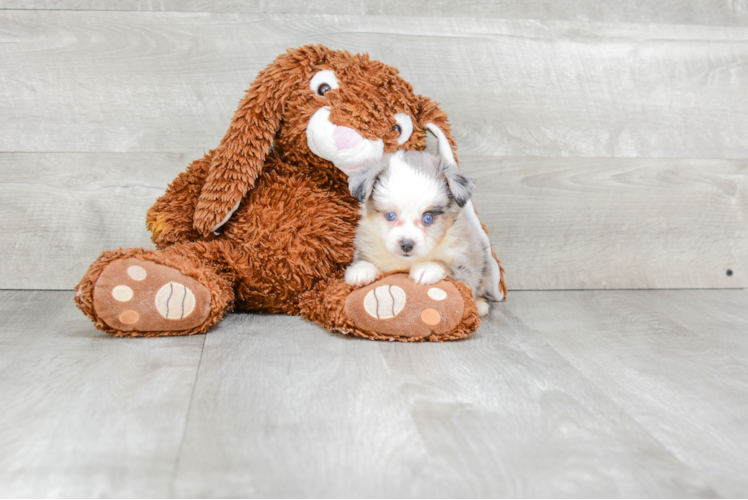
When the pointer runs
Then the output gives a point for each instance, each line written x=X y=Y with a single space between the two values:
x=572 y=394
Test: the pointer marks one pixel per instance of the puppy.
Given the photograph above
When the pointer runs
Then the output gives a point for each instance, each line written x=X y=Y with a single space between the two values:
x=412 y=219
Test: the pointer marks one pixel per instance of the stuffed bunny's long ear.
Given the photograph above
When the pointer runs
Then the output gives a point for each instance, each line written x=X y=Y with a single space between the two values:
x=431 y=117
x=240 y=157
x=435 y=120
x=444 y=147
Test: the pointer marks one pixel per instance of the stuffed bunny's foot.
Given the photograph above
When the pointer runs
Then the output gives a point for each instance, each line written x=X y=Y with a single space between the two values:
x=398 y=308
x=143 y=296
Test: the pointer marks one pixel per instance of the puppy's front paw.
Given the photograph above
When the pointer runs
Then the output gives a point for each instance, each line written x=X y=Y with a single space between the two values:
x=361 y=273
x=483 y=306
x=427 y=273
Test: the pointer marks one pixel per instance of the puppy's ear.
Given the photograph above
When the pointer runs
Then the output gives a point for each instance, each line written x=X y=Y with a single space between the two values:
x=460 y=186
x=361 y=186
x=432 y=118
x=239 y=158
x=361 y=183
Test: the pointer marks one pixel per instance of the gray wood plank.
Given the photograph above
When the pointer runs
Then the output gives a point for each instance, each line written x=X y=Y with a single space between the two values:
x=556 y=223
x=687 y=389
x=713 y=12
x=62 y=210
x=615 y=223
x=169 y=82
x=557 y=394
x=720 y=315
x=85 y=414
x=283 y=408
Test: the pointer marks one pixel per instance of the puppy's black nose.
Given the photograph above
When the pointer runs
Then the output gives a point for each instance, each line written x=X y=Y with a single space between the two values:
x=407 y=245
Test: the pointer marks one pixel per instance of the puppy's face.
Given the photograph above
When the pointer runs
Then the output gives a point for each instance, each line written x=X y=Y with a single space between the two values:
x=411 y=201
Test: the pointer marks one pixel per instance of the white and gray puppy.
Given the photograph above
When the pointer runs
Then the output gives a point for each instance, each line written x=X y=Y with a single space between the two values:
x=412 y=220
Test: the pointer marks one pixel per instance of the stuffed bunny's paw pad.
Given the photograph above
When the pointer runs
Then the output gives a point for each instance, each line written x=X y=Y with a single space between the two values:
x=398 y=307
x=140 y=295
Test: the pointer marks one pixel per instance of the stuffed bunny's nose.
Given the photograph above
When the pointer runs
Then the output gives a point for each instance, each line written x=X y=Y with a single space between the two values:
x=346 y=138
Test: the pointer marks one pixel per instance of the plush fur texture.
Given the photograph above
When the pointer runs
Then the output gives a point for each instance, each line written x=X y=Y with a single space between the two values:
x=264 y=223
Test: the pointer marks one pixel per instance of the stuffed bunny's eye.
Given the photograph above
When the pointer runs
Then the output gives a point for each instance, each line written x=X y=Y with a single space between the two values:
x=323 y=81
x=404 y=126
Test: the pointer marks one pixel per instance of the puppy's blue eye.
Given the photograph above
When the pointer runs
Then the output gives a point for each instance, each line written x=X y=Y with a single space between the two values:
x=390 y=216
x=428 y=219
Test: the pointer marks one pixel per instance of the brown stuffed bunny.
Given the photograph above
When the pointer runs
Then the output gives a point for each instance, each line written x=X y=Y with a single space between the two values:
x=266 y=222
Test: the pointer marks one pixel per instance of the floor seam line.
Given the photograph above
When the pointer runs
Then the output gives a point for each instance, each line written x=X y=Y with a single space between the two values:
x=178 y=458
